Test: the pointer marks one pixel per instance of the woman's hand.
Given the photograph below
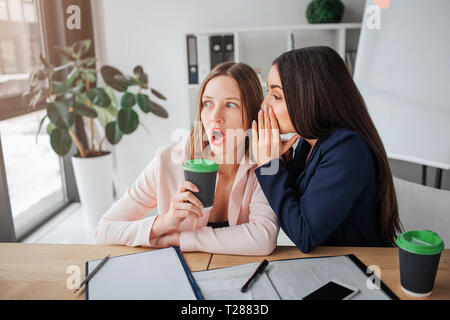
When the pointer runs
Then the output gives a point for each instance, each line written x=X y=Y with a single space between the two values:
x=266 y=140
x=184 y=204
x=168 y=240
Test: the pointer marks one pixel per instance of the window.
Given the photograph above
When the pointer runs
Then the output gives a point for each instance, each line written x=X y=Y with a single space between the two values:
x=29 y=11
x=35 y=183
x=4 y=10
x=33 y=170
x=19 y=45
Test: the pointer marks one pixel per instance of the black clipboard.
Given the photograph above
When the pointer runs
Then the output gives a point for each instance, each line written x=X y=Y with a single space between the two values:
x=351 y=259
x=362 y=267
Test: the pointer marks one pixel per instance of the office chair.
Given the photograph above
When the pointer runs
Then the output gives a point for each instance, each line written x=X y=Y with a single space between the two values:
x=422 y=207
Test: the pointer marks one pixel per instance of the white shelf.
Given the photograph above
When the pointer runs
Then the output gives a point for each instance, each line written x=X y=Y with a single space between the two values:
x=259 y=46
x=317 y=26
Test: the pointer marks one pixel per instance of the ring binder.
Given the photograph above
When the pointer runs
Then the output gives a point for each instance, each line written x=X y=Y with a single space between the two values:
x=221 y=49
x=192 y=59
x=216 y=50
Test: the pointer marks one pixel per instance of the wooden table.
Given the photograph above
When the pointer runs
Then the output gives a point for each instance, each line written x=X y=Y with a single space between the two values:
x=39 y=271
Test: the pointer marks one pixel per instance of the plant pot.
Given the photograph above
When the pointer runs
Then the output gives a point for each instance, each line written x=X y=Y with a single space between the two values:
x=95 y=187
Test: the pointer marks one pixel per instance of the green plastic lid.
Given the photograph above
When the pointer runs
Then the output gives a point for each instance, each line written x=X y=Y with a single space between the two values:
x=420 y=242
x=200 y=165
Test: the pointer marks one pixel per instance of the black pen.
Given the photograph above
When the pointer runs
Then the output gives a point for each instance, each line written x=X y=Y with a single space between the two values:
x=93 y=272
x=263 y=265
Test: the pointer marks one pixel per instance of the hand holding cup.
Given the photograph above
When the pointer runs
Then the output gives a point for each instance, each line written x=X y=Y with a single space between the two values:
x=184 y=204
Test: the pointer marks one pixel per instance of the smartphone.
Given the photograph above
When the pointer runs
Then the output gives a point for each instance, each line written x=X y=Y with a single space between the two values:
x=333 y=290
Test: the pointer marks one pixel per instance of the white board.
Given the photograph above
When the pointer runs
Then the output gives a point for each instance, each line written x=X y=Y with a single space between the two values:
x=403 y=72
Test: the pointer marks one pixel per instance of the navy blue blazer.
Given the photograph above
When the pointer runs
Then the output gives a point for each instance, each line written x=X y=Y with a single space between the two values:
x=328 y=200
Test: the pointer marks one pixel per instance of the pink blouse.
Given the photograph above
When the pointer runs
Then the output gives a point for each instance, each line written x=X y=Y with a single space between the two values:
x=253 y=226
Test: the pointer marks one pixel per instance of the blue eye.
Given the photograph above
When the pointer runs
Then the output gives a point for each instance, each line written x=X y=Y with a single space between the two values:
x=231 y=105
x=207 y=104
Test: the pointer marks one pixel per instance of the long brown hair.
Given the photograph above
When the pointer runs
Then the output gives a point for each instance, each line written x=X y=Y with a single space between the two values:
x=251 y=99
x=322 y=97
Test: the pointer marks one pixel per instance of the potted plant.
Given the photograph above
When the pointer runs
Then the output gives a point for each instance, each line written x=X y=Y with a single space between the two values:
x=325 y=11
x=71 y=90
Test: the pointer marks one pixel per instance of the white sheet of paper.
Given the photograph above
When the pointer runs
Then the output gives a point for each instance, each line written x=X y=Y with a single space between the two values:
x=156 y=274
x=226 y=284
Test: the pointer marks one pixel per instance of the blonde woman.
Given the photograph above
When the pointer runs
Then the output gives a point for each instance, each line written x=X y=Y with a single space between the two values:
x=240 y=220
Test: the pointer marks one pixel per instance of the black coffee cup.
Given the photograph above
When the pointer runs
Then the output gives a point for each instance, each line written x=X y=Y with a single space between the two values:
x=202 y=173
x=419 y=255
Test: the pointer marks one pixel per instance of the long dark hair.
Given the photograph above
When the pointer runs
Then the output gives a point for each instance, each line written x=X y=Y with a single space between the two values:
x=251 y=97
x=322 y=97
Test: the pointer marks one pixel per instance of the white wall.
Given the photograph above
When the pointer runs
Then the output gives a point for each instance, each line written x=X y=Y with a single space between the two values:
x=152 y=33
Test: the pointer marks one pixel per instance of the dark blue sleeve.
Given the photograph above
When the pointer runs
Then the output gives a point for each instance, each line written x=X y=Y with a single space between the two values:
x=340 y=177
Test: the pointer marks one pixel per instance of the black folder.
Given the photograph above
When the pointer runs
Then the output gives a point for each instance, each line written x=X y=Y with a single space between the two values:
x=216 y=44
x=228 y=48
x=192 y=59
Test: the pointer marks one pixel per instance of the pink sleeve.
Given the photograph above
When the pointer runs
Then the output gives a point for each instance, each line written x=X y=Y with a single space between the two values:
x=124 y=222
x=257 y=237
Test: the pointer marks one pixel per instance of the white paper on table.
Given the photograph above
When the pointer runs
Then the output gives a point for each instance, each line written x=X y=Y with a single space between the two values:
x=226 y=284
x=290 y=279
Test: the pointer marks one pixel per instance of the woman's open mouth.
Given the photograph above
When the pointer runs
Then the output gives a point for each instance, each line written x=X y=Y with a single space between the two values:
x=217 y=136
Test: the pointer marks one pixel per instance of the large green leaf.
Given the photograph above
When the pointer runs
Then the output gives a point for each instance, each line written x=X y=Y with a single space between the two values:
x=50 y=128
x=59 y=88
x=144 y=102
x=158 y=110
x=158 y=94
x=129 y=81
x=89 y=76
x=108 y=74
x=112 y=95
x=105 y=115
x=128 y=120
x=40 y=126
x=72 y=76
x=60 y=141
x=66 y=52
x=113 y=133
x=58 y=113
x=84 y=110
x=138 y=71
x=81 y=47
x=141 y=76
x=82 y=98
x=90 y=61
x=99 y=97
x=128 y=100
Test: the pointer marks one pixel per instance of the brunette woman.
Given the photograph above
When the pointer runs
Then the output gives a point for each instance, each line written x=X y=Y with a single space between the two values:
x=338 y=189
